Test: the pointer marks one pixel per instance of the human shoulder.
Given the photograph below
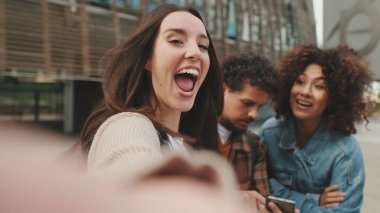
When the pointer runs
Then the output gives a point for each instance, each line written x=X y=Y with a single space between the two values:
x=123 y=128
x=126 y=123
x=130 y=117
x=273 y=123
x=347 y=144
x=124 y=135
x=349 y=159
x=252 y=136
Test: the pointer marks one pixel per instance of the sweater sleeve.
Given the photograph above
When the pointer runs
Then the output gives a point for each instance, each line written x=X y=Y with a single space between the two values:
x=126 y=140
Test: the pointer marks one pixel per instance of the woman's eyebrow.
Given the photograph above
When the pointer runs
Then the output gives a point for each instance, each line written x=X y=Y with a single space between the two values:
x=321 y=78
x=181 y=31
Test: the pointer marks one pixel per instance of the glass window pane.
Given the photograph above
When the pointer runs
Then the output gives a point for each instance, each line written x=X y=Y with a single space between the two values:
x=152 y=4
x=134 y=4
x=103 y=3
x=120 y=3
x=177 y=2
x=197 y=4
x=231 y=21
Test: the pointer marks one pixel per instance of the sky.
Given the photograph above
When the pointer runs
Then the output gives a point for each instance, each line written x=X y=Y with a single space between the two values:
x=318 y=13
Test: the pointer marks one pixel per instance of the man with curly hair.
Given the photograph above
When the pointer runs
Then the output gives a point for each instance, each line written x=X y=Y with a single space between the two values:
x=249 y=82
x=313 y=158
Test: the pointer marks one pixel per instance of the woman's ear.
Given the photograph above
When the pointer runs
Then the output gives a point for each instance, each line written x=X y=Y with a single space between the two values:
x=148 y=65
x=225 y=87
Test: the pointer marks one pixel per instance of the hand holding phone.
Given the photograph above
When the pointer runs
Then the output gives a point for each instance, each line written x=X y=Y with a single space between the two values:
x=286 y=206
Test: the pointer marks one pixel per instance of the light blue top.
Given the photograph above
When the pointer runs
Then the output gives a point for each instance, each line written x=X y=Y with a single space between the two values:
x=302 y=174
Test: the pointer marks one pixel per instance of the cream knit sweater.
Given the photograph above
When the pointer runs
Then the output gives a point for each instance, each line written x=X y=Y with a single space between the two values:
x=125 y=140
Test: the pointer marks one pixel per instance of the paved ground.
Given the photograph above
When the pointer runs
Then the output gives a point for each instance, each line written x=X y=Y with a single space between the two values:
x=49 y=143
x=370 y=144
x=38 y=140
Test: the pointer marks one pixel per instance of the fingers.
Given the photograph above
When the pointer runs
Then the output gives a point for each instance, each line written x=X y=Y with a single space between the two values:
x=274 y=208
x=331 y=197
x=260 y=199
x=261 y=209
x=330 y=205
x=334 y=197
x=253 y=202
x=331 y=188
x=249 y=202
x=246 y=201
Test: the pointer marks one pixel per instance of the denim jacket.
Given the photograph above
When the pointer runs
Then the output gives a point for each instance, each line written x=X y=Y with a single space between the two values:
x=302 y=174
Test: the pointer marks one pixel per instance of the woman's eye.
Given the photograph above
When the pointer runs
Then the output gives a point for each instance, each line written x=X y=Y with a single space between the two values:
x=320 y=87
x=298 y=82
x=175 y=41
x=202 y=46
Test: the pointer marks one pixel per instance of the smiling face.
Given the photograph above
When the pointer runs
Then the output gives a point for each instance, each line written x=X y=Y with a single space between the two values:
x=242 y=107
x=179 y=61
x=309 y=95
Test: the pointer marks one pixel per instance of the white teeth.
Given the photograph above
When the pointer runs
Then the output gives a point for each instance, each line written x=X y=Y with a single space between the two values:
x=189 y=71
x=303 y=103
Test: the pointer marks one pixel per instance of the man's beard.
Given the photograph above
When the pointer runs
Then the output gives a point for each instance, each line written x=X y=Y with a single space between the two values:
x=231 y=127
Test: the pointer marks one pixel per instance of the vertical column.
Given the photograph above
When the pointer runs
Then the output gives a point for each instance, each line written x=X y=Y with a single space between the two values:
x=68 y=106
x=296 y=22
x=116 y=21
x=271 y=30
x=46 y=36
x=239 y=22
x=279 y=26
x=144 y=8
x=2 y=36
x=249 y=6
x=86 y=67
x=205 y=13
x=262 y=37
x=223 y=16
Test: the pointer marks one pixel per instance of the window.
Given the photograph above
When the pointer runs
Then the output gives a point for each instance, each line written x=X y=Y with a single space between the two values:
x=101 y=3
x=134 y=4
x=177 y=2
x=121 y=4
x=231 y=20
x=197 y=4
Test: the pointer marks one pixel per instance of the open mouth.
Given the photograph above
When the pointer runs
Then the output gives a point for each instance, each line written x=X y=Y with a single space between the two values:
x=186 y=79
x=303 y=103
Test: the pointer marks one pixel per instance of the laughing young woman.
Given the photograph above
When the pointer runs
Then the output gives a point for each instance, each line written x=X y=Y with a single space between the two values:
x=313 y=157
x=161 y=86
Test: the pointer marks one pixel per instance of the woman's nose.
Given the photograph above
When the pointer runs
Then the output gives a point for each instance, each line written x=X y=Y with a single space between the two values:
x=306 y=89
x=193 y=52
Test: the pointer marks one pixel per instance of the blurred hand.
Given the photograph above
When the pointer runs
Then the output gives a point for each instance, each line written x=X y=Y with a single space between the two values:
x=274 y=208
x=331 y=197
x=253 y=202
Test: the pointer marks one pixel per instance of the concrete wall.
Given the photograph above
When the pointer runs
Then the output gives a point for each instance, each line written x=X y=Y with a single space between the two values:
x=356 y=23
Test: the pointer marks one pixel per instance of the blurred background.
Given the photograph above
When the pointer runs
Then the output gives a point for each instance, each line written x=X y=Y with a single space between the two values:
x=49 y=52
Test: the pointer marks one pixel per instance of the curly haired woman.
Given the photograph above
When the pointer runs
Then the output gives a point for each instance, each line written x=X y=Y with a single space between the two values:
x=313 y=157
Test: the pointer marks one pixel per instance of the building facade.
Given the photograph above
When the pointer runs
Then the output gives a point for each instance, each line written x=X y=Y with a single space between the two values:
x=61 y=41
x=356 y=23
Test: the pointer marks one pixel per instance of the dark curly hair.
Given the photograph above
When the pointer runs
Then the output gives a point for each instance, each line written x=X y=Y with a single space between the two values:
x=249 y=68
x=347 y=75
